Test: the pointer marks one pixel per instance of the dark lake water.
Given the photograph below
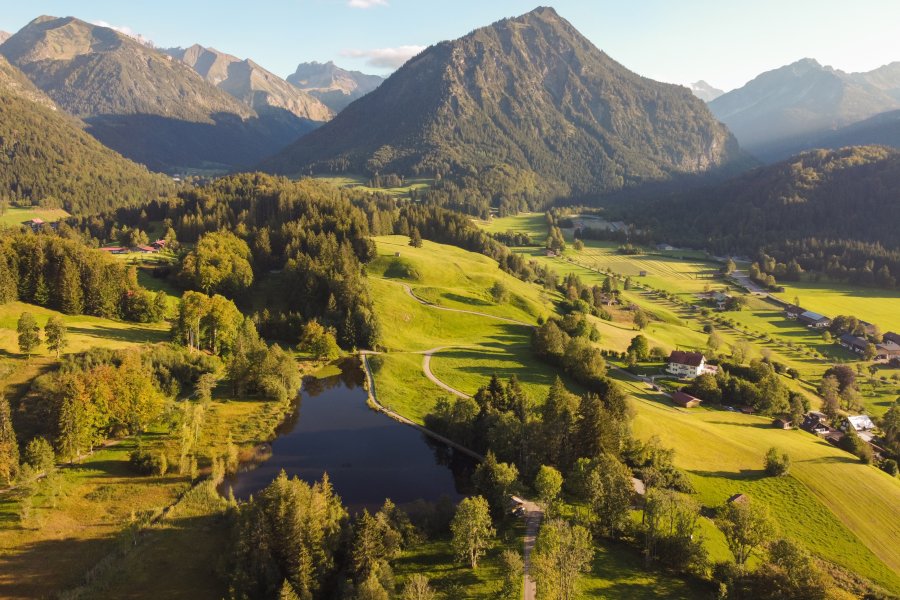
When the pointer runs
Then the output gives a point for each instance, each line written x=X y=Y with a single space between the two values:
x=367 y=455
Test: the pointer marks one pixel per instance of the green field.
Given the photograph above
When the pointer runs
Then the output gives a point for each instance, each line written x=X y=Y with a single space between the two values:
x=16 y=216
x=818 y=504
x=881 y=307
x=534 y=224
x=475 y=346
x=360 y=182
x=84 y=332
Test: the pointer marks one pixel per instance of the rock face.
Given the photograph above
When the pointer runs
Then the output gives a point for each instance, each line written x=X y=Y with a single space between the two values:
x=705 y=92
x=781 y=112
x=334 y=86
x=530 y=93
x=4 y=36
x=250 y=83
x=143 y=103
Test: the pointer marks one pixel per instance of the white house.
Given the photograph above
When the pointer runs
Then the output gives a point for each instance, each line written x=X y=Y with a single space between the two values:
x=688 y=365
x=862 y=424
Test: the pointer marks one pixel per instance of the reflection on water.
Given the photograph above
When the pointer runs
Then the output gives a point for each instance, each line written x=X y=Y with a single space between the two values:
x=368 y=456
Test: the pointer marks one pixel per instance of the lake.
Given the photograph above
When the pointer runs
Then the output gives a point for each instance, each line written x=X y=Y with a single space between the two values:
x=367 y=455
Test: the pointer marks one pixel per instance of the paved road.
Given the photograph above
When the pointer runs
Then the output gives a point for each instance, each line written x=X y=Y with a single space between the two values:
x=534 y=514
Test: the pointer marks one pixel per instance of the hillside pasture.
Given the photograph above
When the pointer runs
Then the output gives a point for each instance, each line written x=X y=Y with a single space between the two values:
x=818 y=504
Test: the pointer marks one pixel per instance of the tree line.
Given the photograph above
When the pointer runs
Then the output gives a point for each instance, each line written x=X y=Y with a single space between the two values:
x=65 y=275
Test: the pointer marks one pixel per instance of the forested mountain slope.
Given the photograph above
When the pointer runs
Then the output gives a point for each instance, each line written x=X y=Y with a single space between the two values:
x=532 y=94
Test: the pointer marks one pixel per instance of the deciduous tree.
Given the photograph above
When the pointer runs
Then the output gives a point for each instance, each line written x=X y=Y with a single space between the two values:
x=472 y=530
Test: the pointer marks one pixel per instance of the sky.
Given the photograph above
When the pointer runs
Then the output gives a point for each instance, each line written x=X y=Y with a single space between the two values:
x=724 y=42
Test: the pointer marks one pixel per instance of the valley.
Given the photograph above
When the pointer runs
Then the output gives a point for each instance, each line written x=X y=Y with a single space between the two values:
x=496 y=309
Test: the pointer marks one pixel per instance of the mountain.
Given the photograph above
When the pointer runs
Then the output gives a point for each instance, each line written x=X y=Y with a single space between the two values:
x=529 y=94
x=46 y=157
x=885 y=78
x=142 y=103
x=846 y=194
x=250 y=83
x=882 y=130
x=334 y=86
x=705 y=92
x=775 y=114
x=4 y=36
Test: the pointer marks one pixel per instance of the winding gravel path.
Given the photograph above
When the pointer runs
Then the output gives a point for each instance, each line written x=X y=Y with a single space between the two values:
x=426 y=367
x=461 y=310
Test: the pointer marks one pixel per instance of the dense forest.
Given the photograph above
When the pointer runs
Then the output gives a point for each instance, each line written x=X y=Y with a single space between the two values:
x=46 y=159
x=834 y=212
x=65 y=275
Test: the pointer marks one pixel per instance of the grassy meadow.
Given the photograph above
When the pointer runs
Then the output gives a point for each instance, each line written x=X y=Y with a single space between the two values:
x=881 y=307
x=361 y=182
x=14 y=216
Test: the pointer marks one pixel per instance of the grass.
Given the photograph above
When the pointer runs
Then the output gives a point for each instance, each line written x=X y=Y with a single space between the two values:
x=451 y=277
x=360 y=182
x=534 y=224
x=16 y=216
x=435 y=560
x=881 y=307
x=73 y=530
x=84 y=332
x=818 y=503
x=473 y=347
x=618 y=572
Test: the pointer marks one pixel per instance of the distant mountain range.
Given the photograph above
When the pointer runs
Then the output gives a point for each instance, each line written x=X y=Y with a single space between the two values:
x=144 y=104
x=334 y=86
x=705 y=92
x=250 y=83
x=46 y=157
x=528 y=94
x=4 y=36
x=792 y=108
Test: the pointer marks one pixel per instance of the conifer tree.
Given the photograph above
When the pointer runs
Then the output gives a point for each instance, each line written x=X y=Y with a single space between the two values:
x=9 y=446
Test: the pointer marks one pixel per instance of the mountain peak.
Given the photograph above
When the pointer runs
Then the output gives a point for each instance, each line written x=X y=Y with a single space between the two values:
x=334 y=86
x=529 y=96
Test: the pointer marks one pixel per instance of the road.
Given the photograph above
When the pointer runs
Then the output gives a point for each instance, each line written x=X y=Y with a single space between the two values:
x=426 y=367
x=461 y=310
x=534 y=514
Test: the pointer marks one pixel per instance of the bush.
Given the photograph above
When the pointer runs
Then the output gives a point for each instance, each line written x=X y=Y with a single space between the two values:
x=777 y=463
x=148 y=463
x=889 y=466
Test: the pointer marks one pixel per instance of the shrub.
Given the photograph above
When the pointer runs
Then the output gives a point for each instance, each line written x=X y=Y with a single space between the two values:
x=777 y=463
x=148 y=463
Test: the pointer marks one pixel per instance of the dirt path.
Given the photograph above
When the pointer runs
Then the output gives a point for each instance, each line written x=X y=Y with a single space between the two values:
x=426 y=367
x=461 y=310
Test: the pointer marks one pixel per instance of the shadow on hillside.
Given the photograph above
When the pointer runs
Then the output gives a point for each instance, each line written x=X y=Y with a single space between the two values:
x=830 y=460
x=122 y=334
x=466 y=300
x=735 y=424
x=40 y=569
x=742 y=475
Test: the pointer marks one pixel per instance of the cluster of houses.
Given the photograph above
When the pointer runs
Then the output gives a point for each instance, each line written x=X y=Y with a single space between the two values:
x=887 y=350
x=817 y=423
x=151 y=249
x=37 y=224
x=807 y=317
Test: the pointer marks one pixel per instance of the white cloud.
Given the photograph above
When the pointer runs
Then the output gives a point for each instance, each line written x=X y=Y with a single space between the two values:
x=385 y=58
x=366 y=3
x=125 y=30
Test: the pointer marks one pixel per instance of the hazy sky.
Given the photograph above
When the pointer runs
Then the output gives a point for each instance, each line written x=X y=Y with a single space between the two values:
x=725 y=42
